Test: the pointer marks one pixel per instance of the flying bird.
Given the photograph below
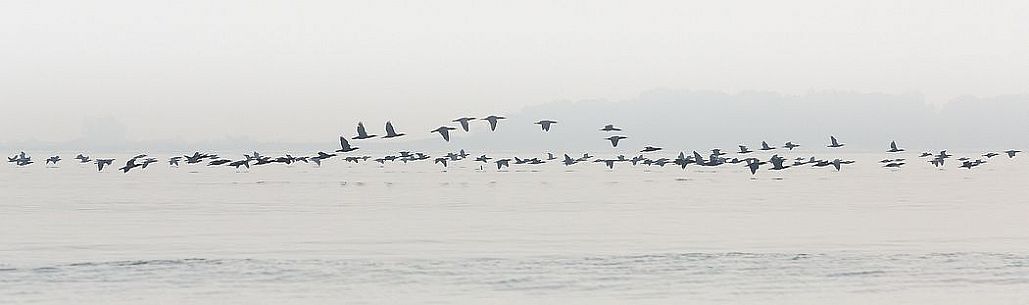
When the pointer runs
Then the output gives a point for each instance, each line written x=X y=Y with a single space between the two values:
x=493 y=121
x=503 y=163
x=345 y=146
x=790 y=145
x=129 y=165
x=569 y=161
x=246 y=163
x=464 y=122
x=893 y=147
x=610 y=127
x=390 y=132
x=545 y=124
x=753 y=165
x=444 y=131
x=362 y=133
x=777 y=161
x=100 y=163
x=834 y=143
x=148 y=161
x=614 y=140
x=53 y=160
x=683 y=160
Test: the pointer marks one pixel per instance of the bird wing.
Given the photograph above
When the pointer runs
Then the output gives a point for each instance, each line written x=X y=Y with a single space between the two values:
x=343 y=143
x=360 y=130
x=464 y=123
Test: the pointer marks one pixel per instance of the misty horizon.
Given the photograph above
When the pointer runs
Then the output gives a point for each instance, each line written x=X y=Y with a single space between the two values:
x=189 y=151
x=276 y=71
x=741 y=119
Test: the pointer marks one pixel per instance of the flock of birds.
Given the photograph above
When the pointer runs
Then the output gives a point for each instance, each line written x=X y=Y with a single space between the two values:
x=715 y=158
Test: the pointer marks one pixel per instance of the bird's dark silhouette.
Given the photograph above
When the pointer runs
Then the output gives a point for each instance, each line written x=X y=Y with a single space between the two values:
x=390 y=132
x=493 y=119
x=614 y=140
x=833 y=143
x=464 y=122
x=444 y=131
x=894 y=148
x=545 y=124
x=362 y=133
x=345 y=146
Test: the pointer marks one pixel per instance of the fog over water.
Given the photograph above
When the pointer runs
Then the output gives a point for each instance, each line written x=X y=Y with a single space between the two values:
x=280 y=71
x=119 y=78
x=692 y=120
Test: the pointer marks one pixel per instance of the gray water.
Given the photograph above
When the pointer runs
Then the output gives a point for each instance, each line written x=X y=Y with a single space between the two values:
x=414 y=234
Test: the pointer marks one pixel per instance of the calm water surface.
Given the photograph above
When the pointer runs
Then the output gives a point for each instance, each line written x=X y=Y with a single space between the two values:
x=364 y=234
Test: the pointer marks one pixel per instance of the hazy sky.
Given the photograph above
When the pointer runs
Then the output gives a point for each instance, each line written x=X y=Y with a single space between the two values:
x=307 y=70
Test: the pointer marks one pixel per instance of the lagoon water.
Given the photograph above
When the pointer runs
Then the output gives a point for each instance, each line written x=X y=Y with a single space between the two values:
x=549 y=234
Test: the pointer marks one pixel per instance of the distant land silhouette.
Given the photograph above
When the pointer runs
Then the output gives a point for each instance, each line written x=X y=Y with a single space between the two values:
x=700 y=120
x=674 y=119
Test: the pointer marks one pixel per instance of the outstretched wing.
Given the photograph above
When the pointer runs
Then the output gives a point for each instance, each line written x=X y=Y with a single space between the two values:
x=360 y=130
x=445 y=133
x=343 y=143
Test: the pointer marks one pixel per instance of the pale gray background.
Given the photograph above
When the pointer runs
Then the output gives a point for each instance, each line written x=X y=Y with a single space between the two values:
x=89 y=74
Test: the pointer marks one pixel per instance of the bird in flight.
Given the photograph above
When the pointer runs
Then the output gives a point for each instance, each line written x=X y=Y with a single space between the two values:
x=100 y=163
x=493 y=121
x=834 y=143
x=390 y=132
x=82 y=158
x=545 y=124
x=893 y=147
x=464 y=122
x=444 y=131
x=614 y=140
x=345 y=146
x=53 y=160
x=362 y=133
